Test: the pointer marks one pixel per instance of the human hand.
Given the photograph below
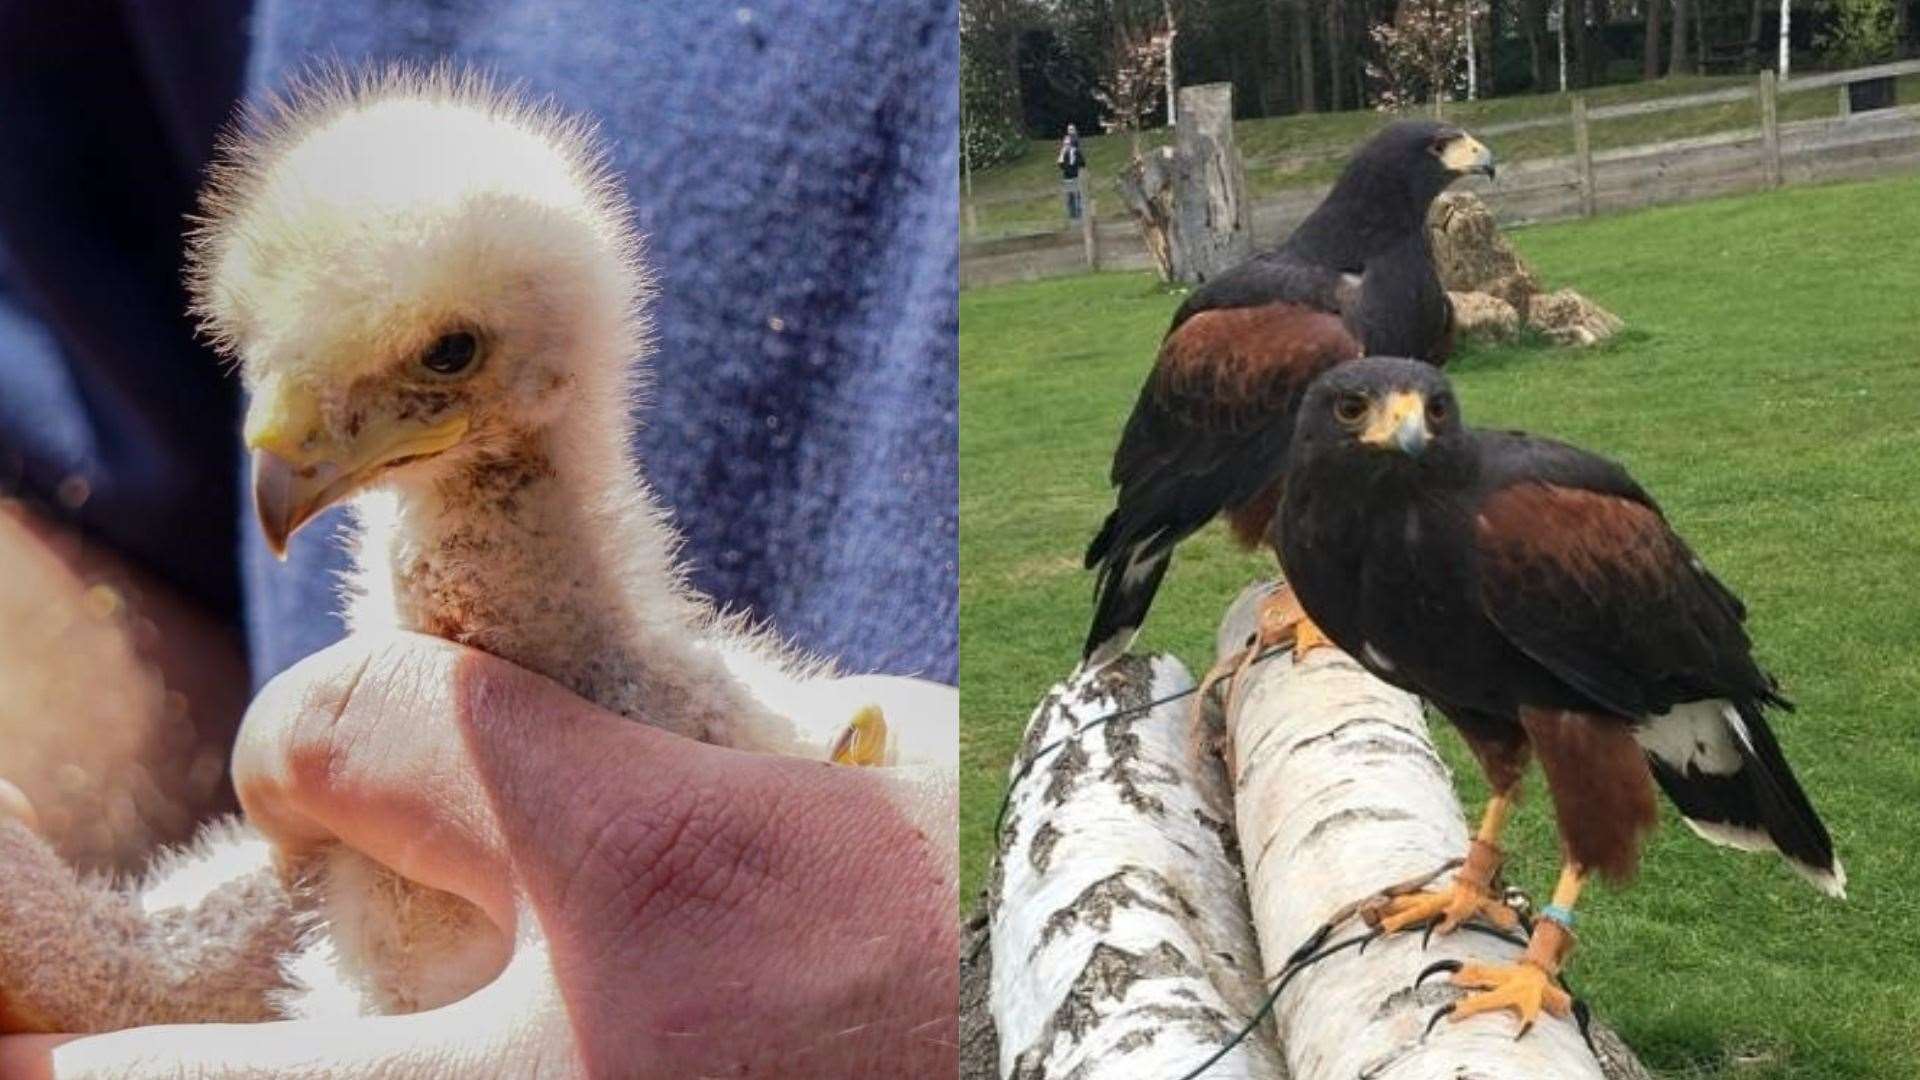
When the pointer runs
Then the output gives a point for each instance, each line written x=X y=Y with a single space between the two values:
x=676 y=909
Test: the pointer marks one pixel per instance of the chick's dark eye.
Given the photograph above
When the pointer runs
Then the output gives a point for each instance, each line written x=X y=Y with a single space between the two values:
x=1350 y=408
x=1438 y=409
x=451 y=353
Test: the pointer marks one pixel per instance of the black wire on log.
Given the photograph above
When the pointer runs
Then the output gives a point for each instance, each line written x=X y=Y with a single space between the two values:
x=1006 y=797
x=1309 y=953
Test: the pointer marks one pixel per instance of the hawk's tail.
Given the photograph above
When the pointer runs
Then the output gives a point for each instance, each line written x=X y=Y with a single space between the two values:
x=1720 y=764
x=1129 y=576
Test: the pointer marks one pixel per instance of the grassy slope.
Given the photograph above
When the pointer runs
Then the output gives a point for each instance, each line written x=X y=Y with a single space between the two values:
x=1034 y=180
x=1767 y=393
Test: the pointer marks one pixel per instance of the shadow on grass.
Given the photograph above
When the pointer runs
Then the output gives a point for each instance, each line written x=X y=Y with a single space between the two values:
x=1530 y=346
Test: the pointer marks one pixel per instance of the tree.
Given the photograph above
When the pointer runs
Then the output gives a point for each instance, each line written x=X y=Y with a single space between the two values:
x=1129 y=87
x=990 y=127
x=1858 y=32
x=1420 y=55
x=1533 y=25
x=1650 y=56
x=1133 y=79
x=1680 y=56
x=1303 y=36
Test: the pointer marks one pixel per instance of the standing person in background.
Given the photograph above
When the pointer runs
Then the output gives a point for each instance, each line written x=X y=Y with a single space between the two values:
x=1071 y=161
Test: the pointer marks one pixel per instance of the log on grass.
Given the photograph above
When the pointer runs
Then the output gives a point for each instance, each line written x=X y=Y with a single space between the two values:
x=1338 y=793
x=1118 y=934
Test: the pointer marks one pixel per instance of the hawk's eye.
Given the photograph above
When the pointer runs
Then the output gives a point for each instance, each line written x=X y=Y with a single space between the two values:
x=1350 y=409
x=451 y=354
x=1437 y=409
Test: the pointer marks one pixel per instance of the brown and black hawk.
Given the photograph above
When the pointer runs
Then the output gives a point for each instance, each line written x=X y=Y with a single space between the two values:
x=1210 y=430
x=1536 y=595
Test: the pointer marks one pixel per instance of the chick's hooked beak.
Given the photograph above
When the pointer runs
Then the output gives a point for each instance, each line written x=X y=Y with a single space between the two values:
x=1467 y=154
x=1399 y=423
x=301 y=468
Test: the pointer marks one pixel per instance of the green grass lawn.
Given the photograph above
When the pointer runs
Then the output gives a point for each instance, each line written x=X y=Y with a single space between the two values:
x=1024 y=196
x=1768 y=393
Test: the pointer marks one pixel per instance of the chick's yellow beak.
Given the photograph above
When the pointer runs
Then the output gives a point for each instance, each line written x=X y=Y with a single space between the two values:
x=865 y=740
x=1398 y=423
x=301 y=468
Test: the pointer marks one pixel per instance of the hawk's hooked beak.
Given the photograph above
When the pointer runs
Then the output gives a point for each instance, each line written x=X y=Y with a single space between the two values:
x=1467 y=154
x=300 y=469
x=1399 y=423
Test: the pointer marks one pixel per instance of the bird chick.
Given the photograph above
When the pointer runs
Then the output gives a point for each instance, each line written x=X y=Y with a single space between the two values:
x=435 y=296
x=434 y=293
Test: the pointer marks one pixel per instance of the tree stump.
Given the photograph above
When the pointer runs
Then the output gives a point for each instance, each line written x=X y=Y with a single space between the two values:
x=1212 y=220
x=1145 y=186
x=1190 y=199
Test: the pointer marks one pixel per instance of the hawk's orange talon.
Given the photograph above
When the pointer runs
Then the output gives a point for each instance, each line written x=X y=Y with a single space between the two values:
x=1525 y=988
x=1462 y=901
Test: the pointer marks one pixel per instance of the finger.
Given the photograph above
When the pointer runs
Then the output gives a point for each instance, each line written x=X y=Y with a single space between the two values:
x=799 y=896
x=29 y=1057
x=361 y=743
x=14 y=804
x=464 y=1039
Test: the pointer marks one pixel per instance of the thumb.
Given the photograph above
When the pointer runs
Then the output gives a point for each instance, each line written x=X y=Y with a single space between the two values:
x=14 y=804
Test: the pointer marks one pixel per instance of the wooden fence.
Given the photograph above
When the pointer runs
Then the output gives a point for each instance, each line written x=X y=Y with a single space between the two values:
x=1847 y=146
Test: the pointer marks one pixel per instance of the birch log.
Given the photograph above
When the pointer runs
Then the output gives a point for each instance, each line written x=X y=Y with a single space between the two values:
x=1119 y=939
x=1338 y=793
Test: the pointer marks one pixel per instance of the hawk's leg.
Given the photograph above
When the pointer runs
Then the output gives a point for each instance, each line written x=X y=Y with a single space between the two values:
x=1282 y=621
x=1532 y=985
x=1470 y=894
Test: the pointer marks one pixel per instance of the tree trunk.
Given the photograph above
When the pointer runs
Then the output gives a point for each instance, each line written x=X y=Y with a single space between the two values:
x=1533 y=20
x=1786 y=24
x=1212 y=226
x=1700 y=35
x=1680 y=56
x=1473 y=61
x=1119 y=944
x=1756 y=15
x=1172 y=32
x=1338 y=794
x=1303 y=37
x=1337 y=58
x=1573 y=17
x=1016 y=89
x=1145 y=185
x=1599 y=56
x=1650 y=49
x=1494 y=27
x=1563 y=45
x=1282 y=95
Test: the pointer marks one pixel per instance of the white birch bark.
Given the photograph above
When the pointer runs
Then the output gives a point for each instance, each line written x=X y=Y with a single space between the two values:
x=1563 y=46
x=1786 y=24
x=1473 y=70
x=1339 y=794
x=1120 y=943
